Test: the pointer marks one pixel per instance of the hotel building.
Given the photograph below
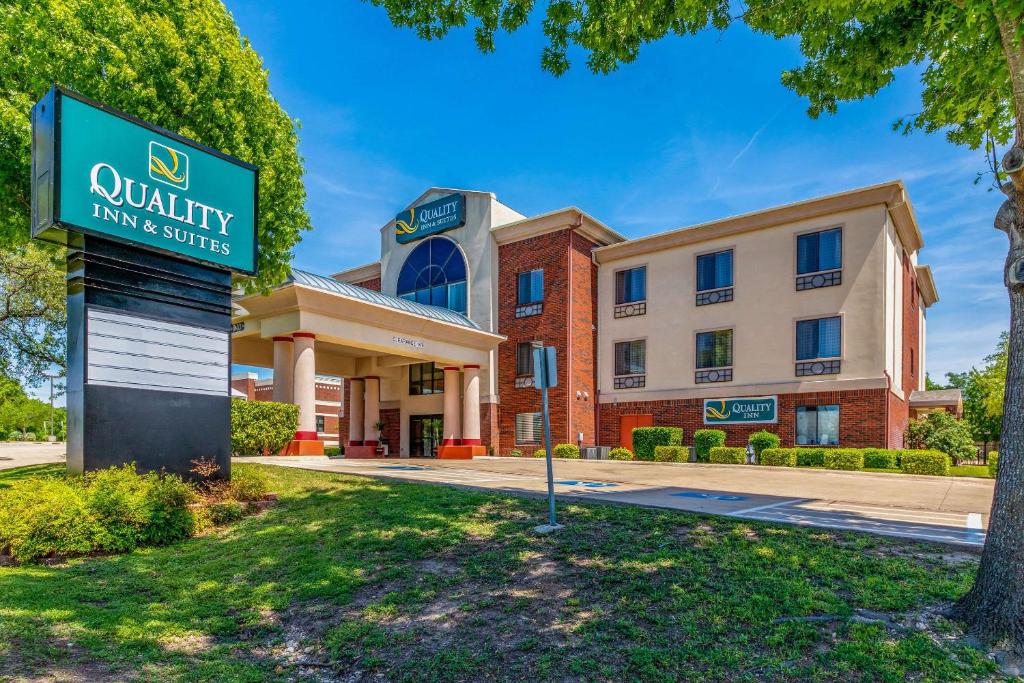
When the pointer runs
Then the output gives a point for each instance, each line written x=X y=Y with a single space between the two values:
x=816 y=309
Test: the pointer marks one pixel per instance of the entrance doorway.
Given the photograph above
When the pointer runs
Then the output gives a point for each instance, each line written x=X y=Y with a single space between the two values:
x=425 y=435
x=626 y=425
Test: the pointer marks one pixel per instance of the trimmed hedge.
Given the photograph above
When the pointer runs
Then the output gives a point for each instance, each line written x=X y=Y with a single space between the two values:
x=763 y=440
x=728 y=455
x=778 y=457
x=706 y=439
x=262 y=427
x=646 y=439
x=810 y=457
x=843 y=459
x=671 y=454
x=566 y=450
x=332 y=451
x=925 y=462
x=881 y=458
x=993 y=464
x=540 y=453
x=620 y=453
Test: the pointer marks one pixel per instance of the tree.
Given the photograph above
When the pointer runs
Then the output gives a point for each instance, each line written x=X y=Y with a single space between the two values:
x=992 y=380
x=940 y=431
x=972 y=88
x=983 y=394
x=32 y=313
x=181 y=65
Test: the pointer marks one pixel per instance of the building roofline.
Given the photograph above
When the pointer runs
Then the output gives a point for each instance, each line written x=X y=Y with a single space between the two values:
x=926 y=283
x=553 y=221
x=358 y=274
x=893 y=194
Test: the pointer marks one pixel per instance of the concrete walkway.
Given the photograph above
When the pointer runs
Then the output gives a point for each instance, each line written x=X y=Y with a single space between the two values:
x=944 y=509
x=16 y=454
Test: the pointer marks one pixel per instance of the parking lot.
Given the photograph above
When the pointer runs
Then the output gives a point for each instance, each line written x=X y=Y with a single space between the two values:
x=18 y=454
x=943 y=509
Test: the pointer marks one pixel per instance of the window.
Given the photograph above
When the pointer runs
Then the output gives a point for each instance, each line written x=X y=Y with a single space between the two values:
x=817 y=425
x=714 y=271
x=819 y=251
x=531 y=287
x=529 y=428
x=714 y=349
x=524 y=359
x=434 y=273
x=631 y=285
x=631 y=357
x=320 y=424
x=425 y=378
x=821 y=338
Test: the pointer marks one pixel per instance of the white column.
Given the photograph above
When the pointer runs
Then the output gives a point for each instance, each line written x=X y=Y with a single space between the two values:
x=304 y=385
x=452 y=408
x=355 y=411
x=371 y=401
x=283 y=347
x=471 y=405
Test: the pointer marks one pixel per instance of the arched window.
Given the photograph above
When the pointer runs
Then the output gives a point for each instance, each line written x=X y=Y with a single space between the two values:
x=435 y=273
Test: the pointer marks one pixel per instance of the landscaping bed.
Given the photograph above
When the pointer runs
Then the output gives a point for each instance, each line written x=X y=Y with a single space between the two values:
x=350 y=578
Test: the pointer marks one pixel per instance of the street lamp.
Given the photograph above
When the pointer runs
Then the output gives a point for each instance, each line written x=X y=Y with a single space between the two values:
x=51 y=376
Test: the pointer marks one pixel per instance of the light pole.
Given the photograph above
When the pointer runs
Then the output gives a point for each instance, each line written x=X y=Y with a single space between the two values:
x=51 y=376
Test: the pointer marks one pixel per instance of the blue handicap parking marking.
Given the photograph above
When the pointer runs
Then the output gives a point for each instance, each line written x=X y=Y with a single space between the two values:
x=401 y=467
x=709 y=496
x=585 y=484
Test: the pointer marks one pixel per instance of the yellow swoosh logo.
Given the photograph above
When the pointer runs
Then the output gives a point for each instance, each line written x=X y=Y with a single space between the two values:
x=403 y=228
x=717 y=414
x=157 y=165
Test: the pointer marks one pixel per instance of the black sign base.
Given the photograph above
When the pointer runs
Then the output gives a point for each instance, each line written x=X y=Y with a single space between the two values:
x=148 y=368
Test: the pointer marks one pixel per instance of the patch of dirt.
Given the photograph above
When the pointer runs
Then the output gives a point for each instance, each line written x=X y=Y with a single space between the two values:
x=191 y=644
x=76 y=666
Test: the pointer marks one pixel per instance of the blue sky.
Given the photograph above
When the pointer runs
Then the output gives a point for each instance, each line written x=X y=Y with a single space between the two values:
x=696 y=129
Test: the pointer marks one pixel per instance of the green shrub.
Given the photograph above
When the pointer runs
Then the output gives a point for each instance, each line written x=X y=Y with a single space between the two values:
x=925 y=462
x=993 y=463
x=728 y=455
x=119 y=501
x=940 y=431
x=881 y=458
x=30 y=436
x=778 y=457
x=332 y=451
x=248 y=484
x=843 y=459
x=706 y=439
x=46 y=516
x=566 y=450
x=225 y=511
x=170 y=518
x=762 y=440
x=262 y=427
x=671 y=454
x=541 y=453
x=810 y=457
x=515 y=453
x=620 y=453
x=646 y=439
x=14 y=435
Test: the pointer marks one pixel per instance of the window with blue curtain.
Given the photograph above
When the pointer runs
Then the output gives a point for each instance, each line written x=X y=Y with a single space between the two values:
x=714 y=271
x=434 y=273
x=714 y=349
x=819 y=251
x=820 y=338
x=531 y=287
x=631 y=357
x=631 y=285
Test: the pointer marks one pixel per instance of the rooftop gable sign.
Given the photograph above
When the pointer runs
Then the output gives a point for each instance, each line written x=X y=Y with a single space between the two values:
x=446 y=213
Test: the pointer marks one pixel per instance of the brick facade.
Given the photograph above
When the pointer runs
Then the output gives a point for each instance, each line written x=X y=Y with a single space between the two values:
x=372 y=283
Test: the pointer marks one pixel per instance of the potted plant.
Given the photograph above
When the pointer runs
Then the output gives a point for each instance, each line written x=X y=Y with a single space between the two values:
x=381 y=442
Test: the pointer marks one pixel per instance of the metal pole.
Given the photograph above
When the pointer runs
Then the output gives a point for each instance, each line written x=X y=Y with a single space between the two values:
x=547 y=447
x=51 y=405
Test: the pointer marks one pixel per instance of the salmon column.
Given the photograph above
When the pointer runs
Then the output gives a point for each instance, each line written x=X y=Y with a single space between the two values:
x=471 y=405
x=371 y=406
x=452 y=408
x=355 y=411
x=283 y=347
x=304 y=385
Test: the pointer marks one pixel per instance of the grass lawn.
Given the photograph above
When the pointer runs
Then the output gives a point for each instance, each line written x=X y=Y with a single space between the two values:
x=350 y=578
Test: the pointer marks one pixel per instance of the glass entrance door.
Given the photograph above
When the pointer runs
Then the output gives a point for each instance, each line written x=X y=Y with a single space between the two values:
x=425 y=435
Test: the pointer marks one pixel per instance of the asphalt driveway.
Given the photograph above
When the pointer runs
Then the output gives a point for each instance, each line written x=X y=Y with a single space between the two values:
x=944 y=509
x=17 y=454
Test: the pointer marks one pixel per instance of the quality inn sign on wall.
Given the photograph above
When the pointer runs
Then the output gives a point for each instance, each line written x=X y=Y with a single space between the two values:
x=111 y=175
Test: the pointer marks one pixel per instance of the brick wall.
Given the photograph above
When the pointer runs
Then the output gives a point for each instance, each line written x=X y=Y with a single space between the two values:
x=582 y=341
x=246 y=385
x=898 y=412
x=861 y=417
x=373 y=283
x=489 y=434
x=392 y=429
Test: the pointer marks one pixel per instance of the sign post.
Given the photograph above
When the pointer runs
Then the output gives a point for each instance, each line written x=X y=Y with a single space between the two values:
x=545 y=375
x=154 y=225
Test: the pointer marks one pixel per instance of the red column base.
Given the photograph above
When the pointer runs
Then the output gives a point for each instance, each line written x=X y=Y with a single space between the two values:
x=460 y=452
x=304 y=447
x=361 y=453
x=355 y=443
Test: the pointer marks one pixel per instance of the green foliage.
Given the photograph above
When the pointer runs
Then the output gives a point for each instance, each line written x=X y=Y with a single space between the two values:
x=778 y=457
x=33 y=322
x=706 y=439
x=170 y=518
x=118 y=500
x=262 y=427
x=728 y=455
x=881 y=459
x=541 y=453
x=225 y=511
x=181 y=65
x=515 y=453
x=671 y=454
x=843 y=459
x=810 y=457
x=248 y=484
x=940 y=431
x=982 y=391
x=566 y=450
x=763 y=439
x=993 y=463
x=620 y=453
x=332 y=451
x=46 y=516
x=645 y=439
x=925 y=462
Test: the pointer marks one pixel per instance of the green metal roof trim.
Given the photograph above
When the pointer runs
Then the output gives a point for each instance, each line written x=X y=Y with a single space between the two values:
x=301 y=277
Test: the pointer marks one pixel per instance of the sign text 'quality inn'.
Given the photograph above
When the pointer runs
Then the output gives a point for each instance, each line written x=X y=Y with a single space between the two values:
x=741 y=410
x=431 y=218
x=116 y=177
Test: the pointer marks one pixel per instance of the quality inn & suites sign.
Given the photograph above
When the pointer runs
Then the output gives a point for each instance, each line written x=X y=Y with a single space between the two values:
x=106 y=173
x=745 y=410
x=431 y=218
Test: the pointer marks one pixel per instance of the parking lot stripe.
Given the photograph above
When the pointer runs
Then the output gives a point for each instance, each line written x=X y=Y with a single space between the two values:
x=974 y=520
x=740 y=513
